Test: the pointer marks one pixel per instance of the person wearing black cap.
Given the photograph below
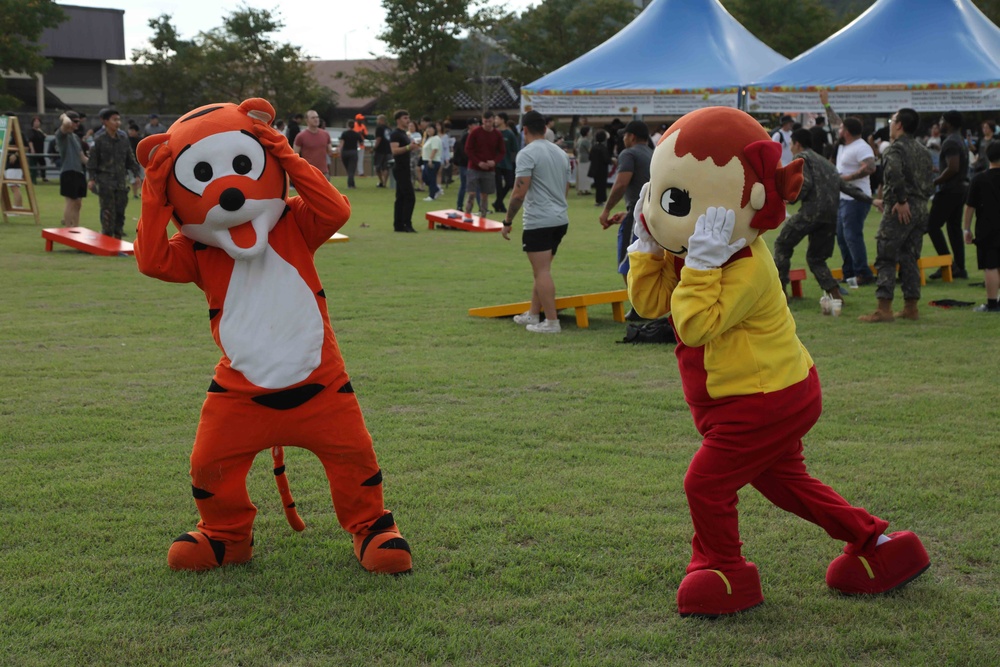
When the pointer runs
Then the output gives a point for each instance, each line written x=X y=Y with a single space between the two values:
x=72 y=180
x=633 y=173
x=110 y=159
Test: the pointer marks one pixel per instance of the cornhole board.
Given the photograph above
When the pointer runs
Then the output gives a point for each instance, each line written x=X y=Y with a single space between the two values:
x=795 y=277
x=942 y=262
x=578 y=302
x=338 y=238
x=454 y=218
x=86 y=240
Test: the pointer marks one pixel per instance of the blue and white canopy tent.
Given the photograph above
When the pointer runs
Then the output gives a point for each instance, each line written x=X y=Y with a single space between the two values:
x=929 y=55
x=675 y=57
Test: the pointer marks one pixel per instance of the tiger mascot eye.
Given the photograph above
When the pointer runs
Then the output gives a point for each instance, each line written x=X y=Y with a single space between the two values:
x=220 y=173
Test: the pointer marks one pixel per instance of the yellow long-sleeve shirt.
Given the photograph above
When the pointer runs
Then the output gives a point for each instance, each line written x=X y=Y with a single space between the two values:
x=736 y=334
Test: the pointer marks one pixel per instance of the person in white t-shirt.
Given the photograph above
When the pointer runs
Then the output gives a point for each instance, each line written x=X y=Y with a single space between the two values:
x=783 y=135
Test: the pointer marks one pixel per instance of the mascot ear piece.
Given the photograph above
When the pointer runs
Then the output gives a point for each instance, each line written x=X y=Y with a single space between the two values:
x=258 y=109
x=775 y=184
x=144 y=151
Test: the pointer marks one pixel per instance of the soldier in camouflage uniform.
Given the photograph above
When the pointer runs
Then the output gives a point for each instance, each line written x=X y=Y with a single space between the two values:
x=817 y=217
x=110 y=159
x=908 y=182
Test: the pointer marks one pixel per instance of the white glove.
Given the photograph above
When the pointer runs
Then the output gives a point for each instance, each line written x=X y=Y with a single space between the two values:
x=643 y=240
x=709 y=246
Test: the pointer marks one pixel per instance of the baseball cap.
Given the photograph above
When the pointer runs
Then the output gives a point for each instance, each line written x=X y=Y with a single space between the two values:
x=359 y=117
x=72 y=115
x=474 y=121
x=153 y=115
x=638 y=128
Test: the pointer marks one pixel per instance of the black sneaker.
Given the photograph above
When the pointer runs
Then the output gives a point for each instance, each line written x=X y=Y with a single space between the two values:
x=935 y=276
x=959 y=274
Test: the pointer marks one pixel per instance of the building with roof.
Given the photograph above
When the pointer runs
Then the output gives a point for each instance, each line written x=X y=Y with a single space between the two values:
x=79 y=48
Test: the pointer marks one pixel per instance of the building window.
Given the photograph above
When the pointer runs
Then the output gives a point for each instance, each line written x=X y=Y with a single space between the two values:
x=66 y=73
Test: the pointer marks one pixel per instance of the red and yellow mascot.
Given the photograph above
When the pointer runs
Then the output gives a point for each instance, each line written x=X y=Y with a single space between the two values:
x=716 y=184
x=221 y=174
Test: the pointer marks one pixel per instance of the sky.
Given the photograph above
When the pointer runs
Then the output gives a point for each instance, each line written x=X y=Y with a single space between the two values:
x=326 y=30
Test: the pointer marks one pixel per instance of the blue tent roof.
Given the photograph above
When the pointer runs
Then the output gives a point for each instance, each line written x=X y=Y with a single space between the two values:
x=673 y=46
x=900 y=43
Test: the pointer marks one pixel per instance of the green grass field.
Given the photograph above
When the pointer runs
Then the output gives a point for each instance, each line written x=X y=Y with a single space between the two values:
x=538 y=479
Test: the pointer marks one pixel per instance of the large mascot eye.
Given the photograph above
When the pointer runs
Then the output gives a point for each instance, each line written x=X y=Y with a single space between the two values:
x=203 y=172
x=242 y=164
x=232 y=153
x=676 y=202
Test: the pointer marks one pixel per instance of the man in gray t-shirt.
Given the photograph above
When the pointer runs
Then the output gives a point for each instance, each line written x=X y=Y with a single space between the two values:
x=541 y=179
x=633 y=173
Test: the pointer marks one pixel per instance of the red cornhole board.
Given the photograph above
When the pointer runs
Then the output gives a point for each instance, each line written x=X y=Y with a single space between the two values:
x=86 y=240
x=456 y=219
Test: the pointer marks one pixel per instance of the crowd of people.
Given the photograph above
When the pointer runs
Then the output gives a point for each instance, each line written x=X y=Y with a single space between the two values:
x=933 y=185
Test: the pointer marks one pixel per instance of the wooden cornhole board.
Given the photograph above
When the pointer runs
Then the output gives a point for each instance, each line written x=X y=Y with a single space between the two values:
x=338 y=238
x=86 y=240
x=456 y=219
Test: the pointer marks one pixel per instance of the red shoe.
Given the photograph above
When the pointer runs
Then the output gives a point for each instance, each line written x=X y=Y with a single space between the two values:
x=893 y=564
x=197 y=551
x=383 y=552
x=713 y=593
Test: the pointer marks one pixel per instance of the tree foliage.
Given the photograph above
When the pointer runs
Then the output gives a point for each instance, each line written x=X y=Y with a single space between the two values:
x=552 y=33
x=21 y=25
x=790 y=27
x=424 y=36
x=233 y=62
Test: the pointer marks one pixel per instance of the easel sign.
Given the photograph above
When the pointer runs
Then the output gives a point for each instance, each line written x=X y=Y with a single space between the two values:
x=11 y=200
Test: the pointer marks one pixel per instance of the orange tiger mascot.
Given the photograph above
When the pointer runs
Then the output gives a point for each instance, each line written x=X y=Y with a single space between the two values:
x=221 y=174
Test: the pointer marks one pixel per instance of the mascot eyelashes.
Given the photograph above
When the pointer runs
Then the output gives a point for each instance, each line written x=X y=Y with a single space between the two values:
x=221 y=174
x=715 y=185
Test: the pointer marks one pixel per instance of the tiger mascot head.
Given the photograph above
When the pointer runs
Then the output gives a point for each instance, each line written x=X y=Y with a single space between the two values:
x=226 y=191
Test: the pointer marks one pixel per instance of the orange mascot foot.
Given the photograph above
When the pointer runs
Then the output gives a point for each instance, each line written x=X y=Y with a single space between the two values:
x=384 y=552
x=713 y=593
x=197 y=551
x=891 y=565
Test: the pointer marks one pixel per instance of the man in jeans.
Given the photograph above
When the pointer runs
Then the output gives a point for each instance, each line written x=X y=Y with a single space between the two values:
x=855 y=164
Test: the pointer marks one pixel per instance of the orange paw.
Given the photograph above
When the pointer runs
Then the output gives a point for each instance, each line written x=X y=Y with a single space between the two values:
x=197 y=551
x=384 y=552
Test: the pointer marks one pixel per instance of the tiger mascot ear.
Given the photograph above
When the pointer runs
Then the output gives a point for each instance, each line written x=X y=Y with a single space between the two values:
x=144 y=151
x=258 y=109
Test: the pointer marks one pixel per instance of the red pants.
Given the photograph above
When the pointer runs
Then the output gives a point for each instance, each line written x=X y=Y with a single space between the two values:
x=757 y=440
x=234 y=429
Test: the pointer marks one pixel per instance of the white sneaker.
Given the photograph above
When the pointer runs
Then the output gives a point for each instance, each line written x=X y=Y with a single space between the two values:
x=428 y=198
x=526 y=318
x=548 y=326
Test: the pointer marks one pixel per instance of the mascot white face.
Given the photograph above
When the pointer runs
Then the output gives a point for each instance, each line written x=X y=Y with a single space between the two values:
x=713 y=157
x=226 y=191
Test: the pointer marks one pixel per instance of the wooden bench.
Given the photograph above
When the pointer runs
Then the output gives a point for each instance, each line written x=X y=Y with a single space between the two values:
x=86 y=240
x=579 y=302
x=795 y=277
x=937 y=261
x=457 y=219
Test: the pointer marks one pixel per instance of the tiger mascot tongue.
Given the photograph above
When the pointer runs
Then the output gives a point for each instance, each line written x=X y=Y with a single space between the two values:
x=221 y=174
x=716 y=184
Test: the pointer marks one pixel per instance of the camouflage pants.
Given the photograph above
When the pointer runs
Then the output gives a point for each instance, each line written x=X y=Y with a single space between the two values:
x=822 y=234
x=900 y=244
x=114 y=199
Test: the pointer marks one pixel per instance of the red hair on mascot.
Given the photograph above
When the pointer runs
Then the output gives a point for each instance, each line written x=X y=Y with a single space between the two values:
x=715 y=185
x=221 y=174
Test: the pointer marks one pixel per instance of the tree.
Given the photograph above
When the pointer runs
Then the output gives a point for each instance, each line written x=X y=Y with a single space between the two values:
x=548 y=35
x=167 y=75
x=231 y=63
x=21 y=25
x=790 y=27
x=424 y=37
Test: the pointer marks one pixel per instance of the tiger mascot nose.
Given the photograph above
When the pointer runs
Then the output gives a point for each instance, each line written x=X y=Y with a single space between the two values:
x=232 y=199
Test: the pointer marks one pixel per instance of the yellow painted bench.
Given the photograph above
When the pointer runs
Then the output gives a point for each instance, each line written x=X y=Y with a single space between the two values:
x=938 y=261
x=579 y=302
